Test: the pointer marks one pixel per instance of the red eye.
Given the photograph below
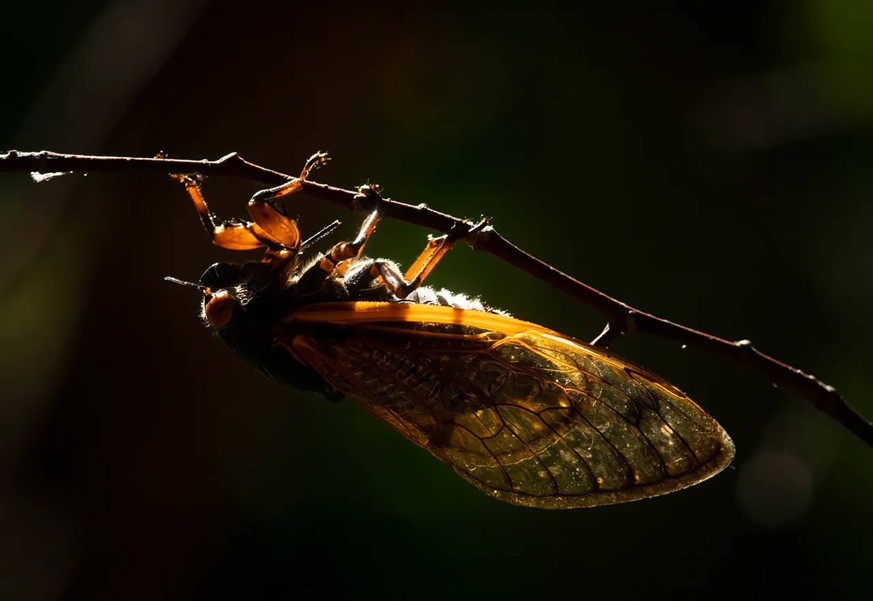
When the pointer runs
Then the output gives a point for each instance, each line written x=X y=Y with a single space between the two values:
x=219 y=309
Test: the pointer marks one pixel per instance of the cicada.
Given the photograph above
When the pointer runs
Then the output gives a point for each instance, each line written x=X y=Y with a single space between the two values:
x=521 y=412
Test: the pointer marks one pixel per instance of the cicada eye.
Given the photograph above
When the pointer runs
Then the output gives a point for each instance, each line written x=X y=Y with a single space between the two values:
x=218 y=308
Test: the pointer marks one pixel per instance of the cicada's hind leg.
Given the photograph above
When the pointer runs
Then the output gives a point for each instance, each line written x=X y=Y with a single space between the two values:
x=402 y=285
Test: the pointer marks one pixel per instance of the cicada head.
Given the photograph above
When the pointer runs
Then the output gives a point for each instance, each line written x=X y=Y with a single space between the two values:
x=228 y=290
x=241 y=307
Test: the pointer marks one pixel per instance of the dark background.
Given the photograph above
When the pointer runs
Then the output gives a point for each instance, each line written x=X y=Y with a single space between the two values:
x=707 y=162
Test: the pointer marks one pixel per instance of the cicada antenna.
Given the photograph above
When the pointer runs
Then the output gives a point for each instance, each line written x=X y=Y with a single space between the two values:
x=205 y=290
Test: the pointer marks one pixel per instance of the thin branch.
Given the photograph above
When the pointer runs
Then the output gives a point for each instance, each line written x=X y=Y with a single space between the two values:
x=622 y=317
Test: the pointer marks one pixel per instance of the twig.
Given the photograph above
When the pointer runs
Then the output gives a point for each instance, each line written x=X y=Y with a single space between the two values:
x=622 y=317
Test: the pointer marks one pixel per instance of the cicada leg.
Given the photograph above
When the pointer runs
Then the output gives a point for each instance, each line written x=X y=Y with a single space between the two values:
x=271 y=221
x=269 y=227
x=431 y=255
x=340 y=257
x=402 y=285
x=342 y=252
x=434 y=251
x=233 y=235
x=336 y=260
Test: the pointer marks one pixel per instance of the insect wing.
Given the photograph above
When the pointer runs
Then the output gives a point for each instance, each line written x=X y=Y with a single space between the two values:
x=524 y=414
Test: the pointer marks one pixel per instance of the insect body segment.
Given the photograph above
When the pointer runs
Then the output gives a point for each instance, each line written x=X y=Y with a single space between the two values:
x=525 y=414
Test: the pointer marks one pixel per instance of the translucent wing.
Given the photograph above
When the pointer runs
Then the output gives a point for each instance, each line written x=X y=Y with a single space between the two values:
x=522 y=413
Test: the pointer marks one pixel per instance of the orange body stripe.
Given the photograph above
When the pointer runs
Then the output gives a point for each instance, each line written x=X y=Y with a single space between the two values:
x=368 y=312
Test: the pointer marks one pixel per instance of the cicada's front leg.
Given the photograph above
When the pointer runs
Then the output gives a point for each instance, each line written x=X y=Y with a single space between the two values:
x=269 y=227
x=276 y=225
x=233 y=235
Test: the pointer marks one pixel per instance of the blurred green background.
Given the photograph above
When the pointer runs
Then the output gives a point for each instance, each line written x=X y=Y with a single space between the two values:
x=706 y=162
